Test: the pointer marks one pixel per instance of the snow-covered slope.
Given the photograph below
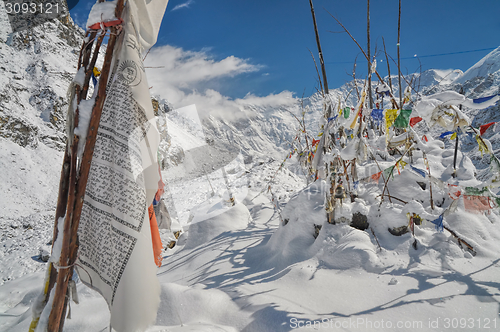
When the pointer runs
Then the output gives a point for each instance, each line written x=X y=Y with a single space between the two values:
x=36 y=68
x=489 y=65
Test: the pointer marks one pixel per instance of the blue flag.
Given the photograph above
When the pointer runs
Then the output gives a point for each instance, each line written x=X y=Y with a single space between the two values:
x=443 y=135
x=439 y=223
x=418 y=170
x=377 y=115
x=332 y=118
x=482 y=99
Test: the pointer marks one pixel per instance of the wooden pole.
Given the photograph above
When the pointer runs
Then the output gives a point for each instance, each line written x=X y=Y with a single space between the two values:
x=322 y=62
x=399 y=59
x=430 y=178
x=366 y=56
x=388 y=65
x=369 y=55
x=456 y=144
x=319 y=76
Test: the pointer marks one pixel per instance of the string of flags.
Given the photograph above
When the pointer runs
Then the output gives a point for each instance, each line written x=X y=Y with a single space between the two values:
x=475 y=199
x=402 y=119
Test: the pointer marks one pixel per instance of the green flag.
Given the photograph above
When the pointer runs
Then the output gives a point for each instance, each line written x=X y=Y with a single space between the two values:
x=347 y=112
x=388 y=172
x=476 y=191
x=403 y=119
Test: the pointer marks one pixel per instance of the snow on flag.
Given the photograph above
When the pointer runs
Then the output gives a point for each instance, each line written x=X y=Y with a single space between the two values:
x=116 y=253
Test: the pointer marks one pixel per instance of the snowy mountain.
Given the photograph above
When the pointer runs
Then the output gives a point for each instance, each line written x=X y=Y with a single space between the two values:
x=489 y=65
x=37 y=67
x=241 y=268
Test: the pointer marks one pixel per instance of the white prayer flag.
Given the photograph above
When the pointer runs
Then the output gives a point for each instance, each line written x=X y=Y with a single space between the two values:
x=115 y=247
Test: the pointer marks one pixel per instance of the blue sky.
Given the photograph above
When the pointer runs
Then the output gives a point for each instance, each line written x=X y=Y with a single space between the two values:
x=260 y=47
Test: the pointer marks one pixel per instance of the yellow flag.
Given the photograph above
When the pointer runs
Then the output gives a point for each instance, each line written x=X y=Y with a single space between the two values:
x=482 y=147
x=390 y=117
x=453 y=136
x=358 y=111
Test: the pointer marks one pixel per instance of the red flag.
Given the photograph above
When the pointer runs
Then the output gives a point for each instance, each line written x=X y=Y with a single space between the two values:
x=376 y=176
x=477 y=204
x=315 y=142
x=425 y=138
x=415 y=120
x=454 y=191
x=483 y=128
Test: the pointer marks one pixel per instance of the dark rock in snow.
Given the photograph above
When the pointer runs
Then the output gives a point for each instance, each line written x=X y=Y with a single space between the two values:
x=359 y=221
x=398 y=231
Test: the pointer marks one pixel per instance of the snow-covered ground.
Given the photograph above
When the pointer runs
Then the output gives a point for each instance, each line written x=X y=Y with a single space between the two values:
x=239 y=269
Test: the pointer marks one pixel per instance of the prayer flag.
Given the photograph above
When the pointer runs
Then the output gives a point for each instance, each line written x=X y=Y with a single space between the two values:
x=471 y=191
x=347 y=112
x=482 y=147
x=403 y=119
x=439 y=223
x=417 y=170
x=376 y=176
x=482 y=99
x=454 y=191
x=390 y=117
x=483 y=128
x=477 y=204
x=377 y=115
x=115 y=254
x=415 y=120
x=443 y=135
x=389 y=171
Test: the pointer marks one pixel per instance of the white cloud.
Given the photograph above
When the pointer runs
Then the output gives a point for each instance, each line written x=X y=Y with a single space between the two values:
x=271 y=100
x=183 y=5
x=188 y=77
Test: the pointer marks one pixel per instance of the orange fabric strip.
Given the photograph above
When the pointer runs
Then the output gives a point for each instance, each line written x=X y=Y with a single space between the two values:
x=155 y=236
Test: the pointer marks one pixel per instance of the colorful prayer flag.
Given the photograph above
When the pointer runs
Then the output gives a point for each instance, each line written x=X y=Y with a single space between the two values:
x=483 y=128
x=377 y=115
x=482 y=147
x=477 y=204
x=403 y=119
x=417 y=170
x=483 y=99
x=472 y=191
x=389 y=171
x=454 y=191
x=415 y=120
x=439 y=223
x=443 y=135
x=376 y=176
x=390 y=117
x=347 y=112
